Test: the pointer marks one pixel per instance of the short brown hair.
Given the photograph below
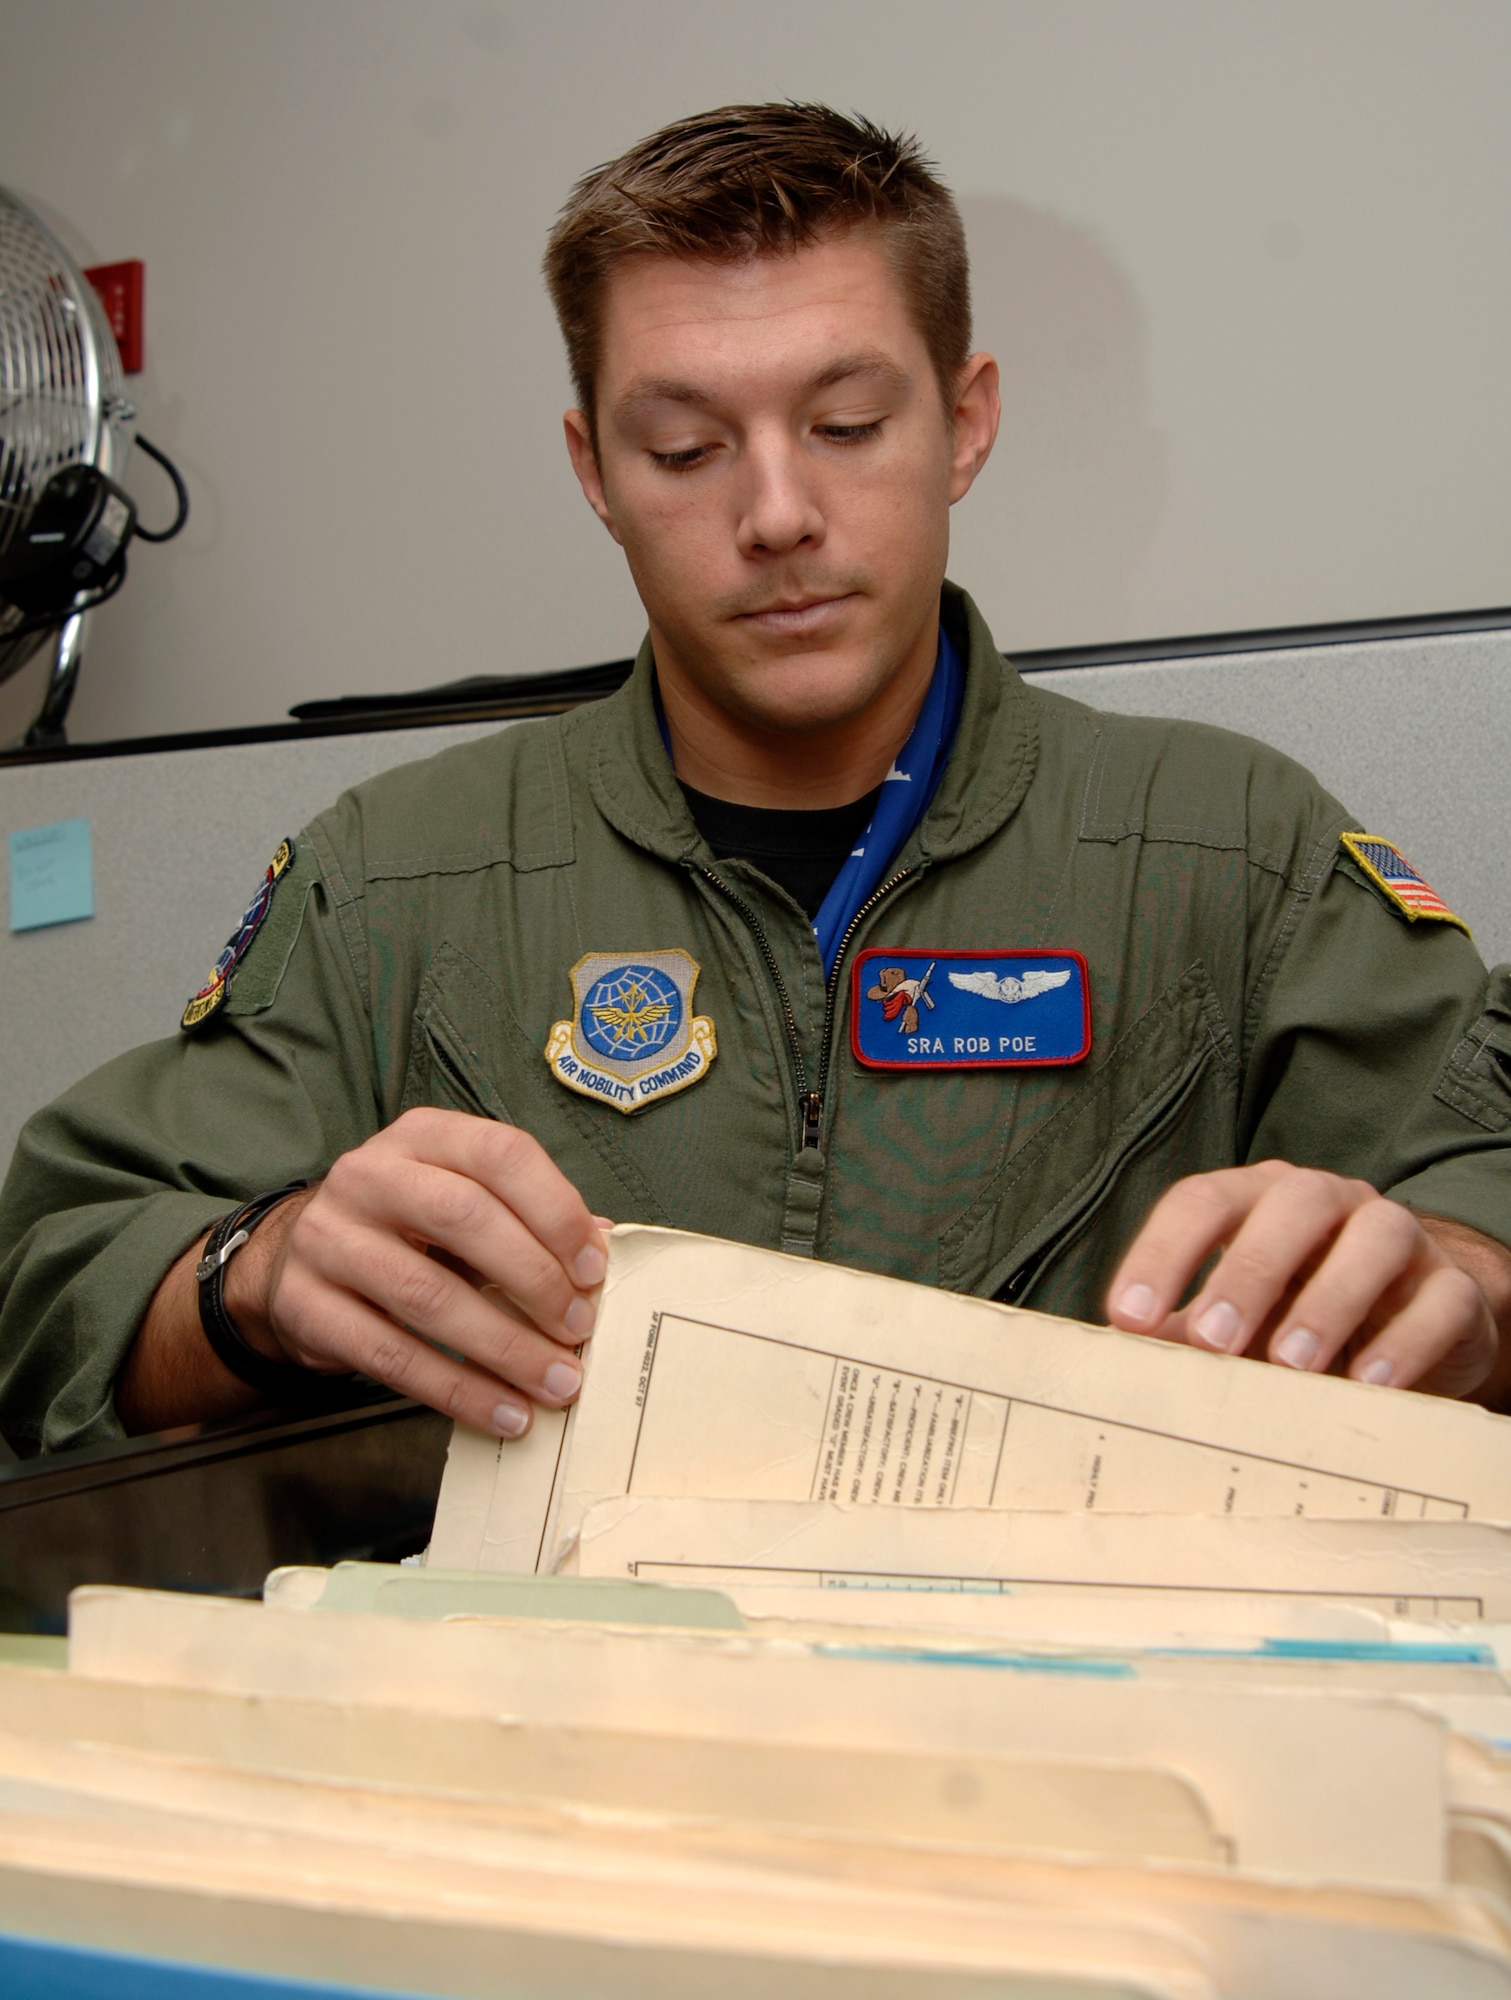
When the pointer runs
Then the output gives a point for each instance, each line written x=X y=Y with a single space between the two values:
x=753 y=180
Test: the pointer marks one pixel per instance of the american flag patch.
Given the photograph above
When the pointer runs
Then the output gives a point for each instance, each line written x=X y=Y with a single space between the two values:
x=1387 y=867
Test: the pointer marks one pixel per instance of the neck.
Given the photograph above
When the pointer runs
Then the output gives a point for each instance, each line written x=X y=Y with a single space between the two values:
x=750 y=763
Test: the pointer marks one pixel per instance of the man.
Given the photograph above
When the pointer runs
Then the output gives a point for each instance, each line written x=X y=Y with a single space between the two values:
x=634 y=962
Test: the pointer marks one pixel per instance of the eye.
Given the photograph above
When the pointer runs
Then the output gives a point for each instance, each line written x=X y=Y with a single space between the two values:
x=850 y=433
x=682 y=461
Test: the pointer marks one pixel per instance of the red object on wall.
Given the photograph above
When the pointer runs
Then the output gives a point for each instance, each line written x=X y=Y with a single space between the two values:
x=120 y=290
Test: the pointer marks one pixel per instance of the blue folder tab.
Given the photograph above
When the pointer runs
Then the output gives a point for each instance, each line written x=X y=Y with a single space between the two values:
x=41 y=1969
x=51 y=875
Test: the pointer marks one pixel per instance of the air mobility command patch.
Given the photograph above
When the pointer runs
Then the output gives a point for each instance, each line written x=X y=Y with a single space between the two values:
x=969 y=1009
x=212 y=995
x=633 y=1035
x=1400 y=884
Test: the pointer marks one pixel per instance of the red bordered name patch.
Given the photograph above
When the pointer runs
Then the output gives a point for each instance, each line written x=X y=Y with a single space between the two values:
x=942 y=1009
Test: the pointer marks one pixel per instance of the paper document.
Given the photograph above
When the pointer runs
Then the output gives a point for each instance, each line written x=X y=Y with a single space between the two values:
x=718 y=1370
x=1402 y=1569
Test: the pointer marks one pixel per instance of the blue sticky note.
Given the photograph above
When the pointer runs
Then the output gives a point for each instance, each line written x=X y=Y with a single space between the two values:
x=51 y=875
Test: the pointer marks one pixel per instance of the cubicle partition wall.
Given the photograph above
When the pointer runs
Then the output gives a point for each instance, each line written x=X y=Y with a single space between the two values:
x=1412 y=731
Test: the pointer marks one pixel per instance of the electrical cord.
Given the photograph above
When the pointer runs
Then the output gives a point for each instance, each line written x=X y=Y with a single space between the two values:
x=49 y=621
x=182 y=491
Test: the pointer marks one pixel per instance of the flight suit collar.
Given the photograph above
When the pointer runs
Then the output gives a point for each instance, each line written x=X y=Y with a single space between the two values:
x=991 y=766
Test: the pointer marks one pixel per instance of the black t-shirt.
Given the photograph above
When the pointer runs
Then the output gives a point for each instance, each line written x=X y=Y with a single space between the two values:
x=802 y=852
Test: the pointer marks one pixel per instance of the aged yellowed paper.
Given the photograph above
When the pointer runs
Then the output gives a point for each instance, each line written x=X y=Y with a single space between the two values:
x=718 y=1370
x=1400 y=1569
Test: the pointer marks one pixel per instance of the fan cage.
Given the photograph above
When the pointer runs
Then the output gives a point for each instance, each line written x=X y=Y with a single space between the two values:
x=62 y=392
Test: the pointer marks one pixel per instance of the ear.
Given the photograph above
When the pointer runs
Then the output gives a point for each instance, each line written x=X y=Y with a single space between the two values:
x=975 y=417
x=585 y=465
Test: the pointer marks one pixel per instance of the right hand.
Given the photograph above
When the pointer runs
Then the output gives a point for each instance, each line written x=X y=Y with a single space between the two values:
x=443 y=1228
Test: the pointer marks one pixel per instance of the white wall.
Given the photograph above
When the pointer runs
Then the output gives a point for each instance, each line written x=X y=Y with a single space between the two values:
x=1247 y=264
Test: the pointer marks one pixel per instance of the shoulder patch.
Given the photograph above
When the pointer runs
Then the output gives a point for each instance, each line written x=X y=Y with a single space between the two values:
x=1407 y=892
x=211 y=997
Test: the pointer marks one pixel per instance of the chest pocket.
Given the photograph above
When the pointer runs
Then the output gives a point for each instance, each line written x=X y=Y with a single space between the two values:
x=454 y=1051
x=468 y=1052
x=1050 y=1226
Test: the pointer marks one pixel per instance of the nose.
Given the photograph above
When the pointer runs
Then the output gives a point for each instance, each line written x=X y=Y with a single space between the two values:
x=779 y=503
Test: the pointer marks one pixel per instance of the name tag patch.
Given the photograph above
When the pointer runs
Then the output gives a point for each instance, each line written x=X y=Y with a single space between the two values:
x=969 y=1009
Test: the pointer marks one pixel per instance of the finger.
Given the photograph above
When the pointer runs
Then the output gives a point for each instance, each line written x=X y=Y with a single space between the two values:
x=518 y=1170
x=1443 y=1339
x=424 y=1297
x=1291 y=1224
x=354 y=1336
x=1373 y=1251
x=1183 y=1228
x=432 y=1206
x=450 y=1212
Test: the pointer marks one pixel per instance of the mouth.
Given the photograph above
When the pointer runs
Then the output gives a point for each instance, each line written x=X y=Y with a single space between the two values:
x=797 y=618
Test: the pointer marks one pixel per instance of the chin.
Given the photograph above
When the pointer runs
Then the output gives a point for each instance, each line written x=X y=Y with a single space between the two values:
x=807 y=708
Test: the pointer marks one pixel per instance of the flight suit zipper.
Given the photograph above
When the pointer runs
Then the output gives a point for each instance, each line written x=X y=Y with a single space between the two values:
x=810 y=1102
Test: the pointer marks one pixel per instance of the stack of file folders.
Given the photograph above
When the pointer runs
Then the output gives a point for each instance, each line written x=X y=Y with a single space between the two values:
x=847 y=1640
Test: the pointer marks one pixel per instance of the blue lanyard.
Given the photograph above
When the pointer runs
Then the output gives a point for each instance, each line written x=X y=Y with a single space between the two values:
x=905 y=795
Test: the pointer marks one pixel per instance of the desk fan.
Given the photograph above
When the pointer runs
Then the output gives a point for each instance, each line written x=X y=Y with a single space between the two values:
x=66 y=430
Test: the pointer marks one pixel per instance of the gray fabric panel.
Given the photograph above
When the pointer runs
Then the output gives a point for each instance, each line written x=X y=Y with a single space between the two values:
x=180 y=840
x=1413 y=735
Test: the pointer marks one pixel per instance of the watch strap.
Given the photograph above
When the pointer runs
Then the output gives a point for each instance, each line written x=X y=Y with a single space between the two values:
x=282 y=1382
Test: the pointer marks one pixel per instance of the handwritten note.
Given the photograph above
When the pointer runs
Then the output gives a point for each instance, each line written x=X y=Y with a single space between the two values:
x=51 y=875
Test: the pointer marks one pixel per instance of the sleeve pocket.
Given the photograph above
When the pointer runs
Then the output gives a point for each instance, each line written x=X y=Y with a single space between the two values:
x=1476 y=1078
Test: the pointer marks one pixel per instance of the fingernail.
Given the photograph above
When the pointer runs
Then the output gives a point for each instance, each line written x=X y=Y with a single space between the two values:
x=578 y=1318
x=1219 y=1326
x=1299 y=1349
x=561 y=1380
x=510 y=1421
x=1138 y=1302
x=589 y=1266
x=1378 y=1371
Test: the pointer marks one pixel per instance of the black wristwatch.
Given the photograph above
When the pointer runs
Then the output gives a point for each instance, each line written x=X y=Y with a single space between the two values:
x=280 y=1381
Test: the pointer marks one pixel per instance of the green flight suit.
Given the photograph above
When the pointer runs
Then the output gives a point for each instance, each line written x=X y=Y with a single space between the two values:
x=1252 y=996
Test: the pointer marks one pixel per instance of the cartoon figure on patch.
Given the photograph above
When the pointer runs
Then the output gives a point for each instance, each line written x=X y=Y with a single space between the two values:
x=633 y=1036
x=899 y=996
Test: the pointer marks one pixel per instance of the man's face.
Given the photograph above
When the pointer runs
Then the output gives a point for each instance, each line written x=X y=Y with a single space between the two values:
x=778 y=462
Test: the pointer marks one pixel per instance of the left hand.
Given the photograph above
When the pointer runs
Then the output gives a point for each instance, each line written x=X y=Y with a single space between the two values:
x=1311 y=1265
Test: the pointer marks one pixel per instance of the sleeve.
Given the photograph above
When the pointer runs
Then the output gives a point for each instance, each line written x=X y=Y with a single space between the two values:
x=1381 y=1048
x=118 y=1177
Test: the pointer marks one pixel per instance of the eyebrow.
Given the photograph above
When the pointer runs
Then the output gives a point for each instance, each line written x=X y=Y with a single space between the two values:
x=867 y=365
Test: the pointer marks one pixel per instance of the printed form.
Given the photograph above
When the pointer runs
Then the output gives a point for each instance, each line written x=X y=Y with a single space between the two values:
x=1458 y=1570
x=722 y=1371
